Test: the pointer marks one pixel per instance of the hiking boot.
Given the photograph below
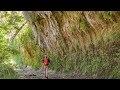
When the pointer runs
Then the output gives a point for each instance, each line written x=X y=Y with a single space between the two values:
x=46 y=77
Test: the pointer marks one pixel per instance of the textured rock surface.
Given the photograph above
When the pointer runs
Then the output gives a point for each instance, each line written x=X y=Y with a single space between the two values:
x=59 y=31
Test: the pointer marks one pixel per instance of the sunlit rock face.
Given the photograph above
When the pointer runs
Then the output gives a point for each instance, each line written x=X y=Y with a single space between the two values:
x=61 y=31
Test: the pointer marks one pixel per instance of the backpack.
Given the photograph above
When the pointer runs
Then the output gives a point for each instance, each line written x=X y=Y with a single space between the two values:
x=46 y=61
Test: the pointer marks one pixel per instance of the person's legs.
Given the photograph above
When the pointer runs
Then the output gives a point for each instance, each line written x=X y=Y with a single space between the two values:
x=46 y=71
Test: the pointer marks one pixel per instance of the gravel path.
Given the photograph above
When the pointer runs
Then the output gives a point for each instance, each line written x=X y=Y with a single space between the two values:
x=30 y=73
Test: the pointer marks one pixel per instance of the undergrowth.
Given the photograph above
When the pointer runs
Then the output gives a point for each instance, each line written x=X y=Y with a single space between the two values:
x=7 y=72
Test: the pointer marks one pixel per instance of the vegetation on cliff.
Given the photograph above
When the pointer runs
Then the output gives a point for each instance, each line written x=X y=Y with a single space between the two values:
x=85 y=42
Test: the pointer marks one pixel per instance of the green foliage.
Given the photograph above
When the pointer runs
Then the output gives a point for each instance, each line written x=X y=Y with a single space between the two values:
x=84 y=25
x=93 y=65
x=7 y=72
x=9 y=24
x=10 y=21
x=115 y=36
x=107 y=15
x=4 y=49
x=26 y=35
x=72 y=29
x=24 y=51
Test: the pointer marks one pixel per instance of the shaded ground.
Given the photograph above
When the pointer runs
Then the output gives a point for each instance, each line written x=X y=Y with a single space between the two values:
x=30 y=73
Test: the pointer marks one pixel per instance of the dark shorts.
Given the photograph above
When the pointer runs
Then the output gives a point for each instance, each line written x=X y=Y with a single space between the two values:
x=45 y=64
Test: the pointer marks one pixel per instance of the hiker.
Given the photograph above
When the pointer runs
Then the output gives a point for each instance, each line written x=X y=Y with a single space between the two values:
x=46 y=62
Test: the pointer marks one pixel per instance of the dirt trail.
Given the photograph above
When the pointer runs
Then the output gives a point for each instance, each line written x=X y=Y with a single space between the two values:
x=30 y=73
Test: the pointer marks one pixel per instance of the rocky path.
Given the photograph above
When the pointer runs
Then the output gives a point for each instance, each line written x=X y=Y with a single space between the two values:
x=30 y=73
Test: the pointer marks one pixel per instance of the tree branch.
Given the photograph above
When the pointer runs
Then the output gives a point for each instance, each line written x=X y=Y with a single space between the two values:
x=18 y=30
